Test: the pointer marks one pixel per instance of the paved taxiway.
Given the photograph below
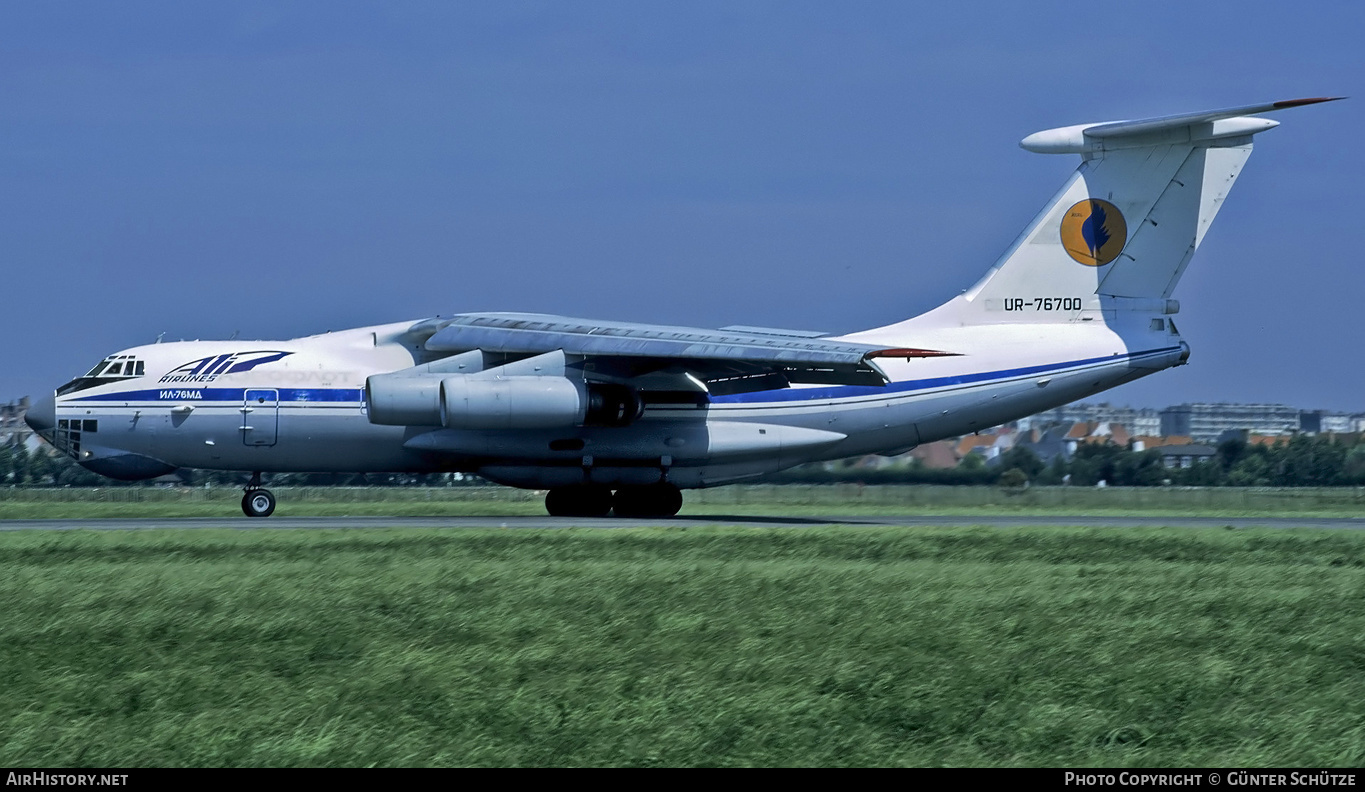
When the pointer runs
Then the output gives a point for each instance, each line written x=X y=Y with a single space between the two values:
x=997 y=521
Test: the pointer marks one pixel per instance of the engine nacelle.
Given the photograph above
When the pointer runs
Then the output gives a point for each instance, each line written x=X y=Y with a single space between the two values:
x=512 y=402
x=471 y=401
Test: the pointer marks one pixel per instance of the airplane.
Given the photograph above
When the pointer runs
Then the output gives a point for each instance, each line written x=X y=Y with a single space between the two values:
x=619 y=418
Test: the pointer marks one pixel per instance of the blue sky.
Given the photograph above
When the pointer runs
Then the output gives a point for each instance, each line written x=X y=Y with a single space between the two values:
x=279 y=169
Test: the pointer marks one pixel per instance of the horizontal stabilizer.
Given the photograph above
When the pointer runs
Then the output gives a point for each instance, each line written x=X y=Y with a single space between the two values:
x=1163 y=130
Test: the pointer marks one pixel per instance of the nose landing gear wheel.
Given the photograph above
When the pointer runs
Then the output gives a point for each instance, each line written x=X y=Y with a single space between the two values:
x=258 y=503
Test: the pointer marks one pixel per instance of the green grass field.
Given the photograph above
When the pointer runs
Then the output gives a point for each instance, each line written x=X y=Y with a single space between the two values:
x=711 y=646
x=784 y=500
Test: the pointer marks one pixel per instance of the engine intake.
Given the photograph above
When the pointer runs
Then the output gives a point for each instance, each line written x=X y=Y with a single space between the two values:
x=403 y=401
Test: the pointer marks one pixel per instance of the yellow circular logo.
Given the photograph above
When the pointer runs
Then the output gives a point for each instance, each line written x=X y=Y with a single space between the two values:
x=1094 y=232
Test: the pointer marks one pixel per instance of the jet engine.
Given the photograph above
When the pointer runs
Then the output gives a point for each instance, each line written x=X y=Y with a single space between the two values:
x=511 y=402
x=472 y=401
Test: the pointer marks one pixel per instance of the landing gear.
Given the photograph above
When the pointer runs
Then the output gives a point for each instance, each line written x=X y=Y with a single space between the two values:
x=654 y=500
x=580 y=501
x=257 y=502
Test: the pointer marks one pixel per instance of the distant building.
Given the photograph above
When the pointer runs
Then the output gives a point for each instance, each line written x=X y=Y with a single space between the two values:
x=937 y=455
x=982 y=445
x=1151 y=442
x=1143 y=421
x=1207 y=422
x=1183 y=456
x=1048 y=444
x=1336 y=423
x=988 y=445
x=1062 y=439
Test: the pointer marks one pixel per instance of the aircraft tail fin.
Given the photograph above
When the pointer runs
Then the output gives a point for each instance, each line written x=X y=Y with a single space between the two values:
x=1121 y=231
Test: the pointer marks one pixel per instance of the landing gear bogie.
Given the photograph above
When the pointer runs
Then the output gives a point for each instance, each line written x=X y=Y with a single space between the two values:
x=580 y=501
x=654 y=500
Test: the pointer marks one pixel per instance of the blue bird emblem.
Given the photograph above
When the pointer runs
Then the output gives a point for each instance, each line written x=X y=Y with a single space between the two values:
x=1093 y=231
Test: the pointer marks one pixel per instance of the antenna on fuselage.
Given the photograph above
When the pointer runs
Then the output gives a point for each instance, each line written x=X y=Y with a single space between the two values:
x=160 y=335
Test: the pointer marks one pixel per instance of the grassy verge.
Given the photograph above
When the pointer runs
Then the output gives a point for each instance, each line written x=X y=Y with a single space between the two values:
x=790 y=500
x=724 y=646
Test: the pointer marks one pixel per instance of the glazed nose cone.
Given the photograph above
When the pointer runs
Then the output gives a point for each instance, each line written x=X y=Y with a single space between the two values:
x=42 y=414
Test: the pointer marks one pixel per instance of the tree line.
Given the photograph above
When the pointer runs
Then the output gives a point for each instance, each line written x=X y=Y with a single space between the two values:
x=1302 y=461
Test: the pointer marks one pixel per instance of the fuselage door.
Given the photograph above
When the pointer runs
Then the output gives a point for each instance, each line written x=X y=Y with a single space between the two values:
x=260 y=417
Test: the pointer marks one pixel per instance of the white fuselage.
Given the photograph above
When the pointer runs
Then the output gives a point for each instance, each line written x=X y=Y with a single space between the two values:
x=304 y=408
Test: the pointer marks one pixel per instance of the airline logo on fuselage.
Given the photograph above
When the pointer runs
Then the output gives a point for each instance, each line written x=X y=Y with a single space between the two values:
x=212 y=367
x=1094 y=232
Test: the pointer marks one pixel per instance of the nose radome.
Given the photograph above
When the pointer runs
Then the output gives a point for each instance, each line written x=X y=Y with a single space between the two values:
x=42 y=414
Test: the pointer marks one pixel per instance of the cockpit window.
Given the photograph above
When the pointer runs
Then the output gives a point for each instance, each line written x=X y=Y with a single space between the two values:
x=114 y=368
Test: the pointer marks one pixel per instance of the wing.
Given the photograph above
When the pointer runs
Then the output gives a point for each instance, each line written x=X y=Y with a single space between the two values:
x=729 y=360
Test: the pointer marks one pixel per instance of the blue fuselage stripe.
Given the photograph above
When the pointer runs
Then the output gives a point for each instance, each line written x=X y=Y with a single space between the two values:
x=183 y=394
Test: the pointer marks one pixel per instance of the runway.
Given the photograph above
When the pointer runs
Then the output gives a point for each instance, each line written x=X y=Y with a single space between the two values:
x=688 y=521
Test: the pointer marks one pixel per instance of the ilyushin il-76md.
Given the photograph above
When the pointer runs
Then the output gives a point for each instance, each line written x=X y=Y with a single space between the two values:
x=613 y=417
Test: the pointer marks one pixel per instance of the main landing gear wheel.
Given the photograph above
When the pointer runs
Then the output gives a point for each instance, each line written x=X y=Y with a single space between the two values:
x=655 y=500
x=258 y=503
x=580 y=501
